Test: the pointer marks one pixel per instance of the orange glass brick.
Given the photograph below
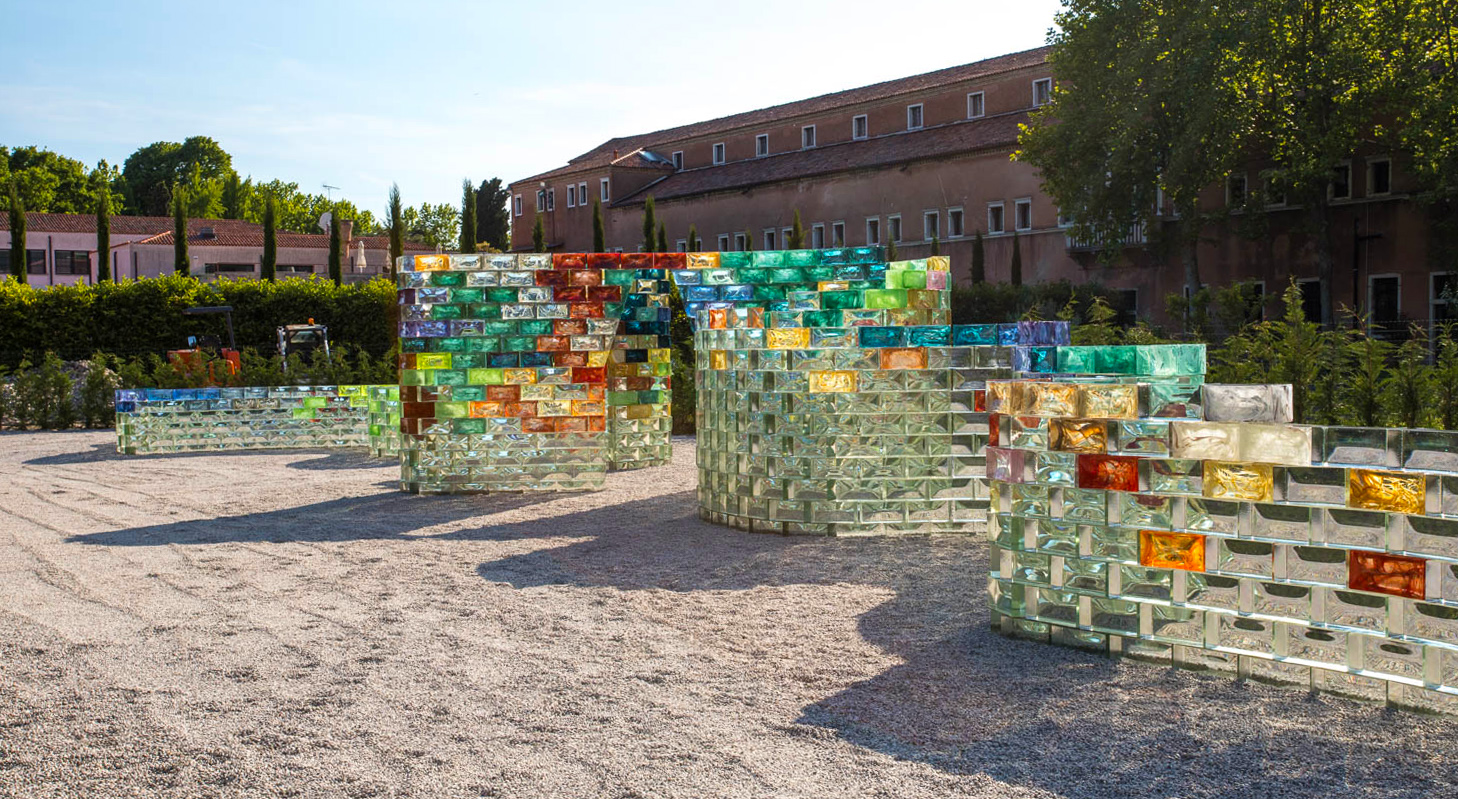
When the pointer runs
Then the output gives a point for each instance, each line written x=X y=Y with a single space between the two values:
x=718 y=318
x=503 y=394
x=605 y=293
x=569 y=260
x=432 y=263
x=539 y=424
x=569 y=359
x=979 y=400
x=670 y=260
x=596 y=424
x=485 y=410
x=517 y=377
x=1390 y=491
x=903 y=358
x=994 y=428
x=1254 y=481
x=585 y=310
x=569 y=327
x=832 y=382
x=553 y=343
x=637 y=260
x=1381 y=573
x=569 y=293
x=1108 y=472
x=1078 y=435
x=588 y=374
x=788 y=338
x=570 y=424
x=1051 y=399
x=584 y=277
x=1163 y=550
x=551 y=277
x=604 y=260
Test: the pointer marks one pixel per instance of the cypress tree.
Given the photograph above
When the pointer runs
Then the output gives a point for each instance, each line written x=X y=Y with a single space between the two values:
x=891 y=250
x=748 y=241
x=599 y=241
x=797 y=233
x=396 y=222
x=17 y=235
x=650 y=225
x=539 y=236
x=936 y=246
x=979 y=260
x=103 y=233
x=468 y=216
x=180 y=263
x=1016 y=277
x=336 y=258
x=268 y=265
x=662 y=237
x=693 y=239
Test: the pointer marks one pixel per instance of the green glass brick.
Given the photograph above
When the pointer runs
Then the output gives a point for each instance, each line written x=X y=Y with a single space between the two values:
x=842 y=300
x=501 y=294
x=315 y=402
x=815 y=274
x=468 y=427
x=448 y=278
x=622 y=397
x=823 y=318
x=484 y=344
x=733 y=260
x=486 y=310
x=451 y=344
x=468 y=393
x=1116 y=360
x=768 y=259
x=802 y=257
x=535 y=327
x=618 y=277
x=466 y=295
x=450 y=377
x=766 y=293
x=452 y=410
x=519 y=344
x=787 y=275
x=415 y=377
x=909 y=279
x=468 y=360
x=1077 y=360
x=303 y=413
x=447 y=311
x=753 y=276
x=500 y=327
x=885 y=298
x=485 y=377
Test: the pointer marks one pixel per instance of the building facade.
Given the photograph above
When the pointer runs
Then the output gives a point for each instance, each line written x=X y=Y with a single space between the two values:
x=61 y=249
x=930 y=157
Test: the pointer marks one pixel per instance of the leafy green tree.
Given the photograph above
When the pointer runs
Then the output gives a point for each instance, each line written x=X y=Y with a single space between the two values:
x=979 y=260
x=47 y=182
x=394 y=219
x=468 y=217
x=180 y=263
x=1015 y=270
x=434 y=225
x=650 y=226
x=17 y=235
x=599 y=239
x=203 y=197
x=235 y=196
x=797 y=233
x=493 y=217
x=103 y=233
x=299 y=212
x=268 y=264
x=539 y=236
x=336 y=251
x=151 y=171
x=662 y=237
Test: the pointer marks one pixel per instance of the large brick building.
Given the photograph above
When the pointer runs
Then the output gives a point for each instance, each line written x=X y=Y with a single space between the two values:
x=929 y=156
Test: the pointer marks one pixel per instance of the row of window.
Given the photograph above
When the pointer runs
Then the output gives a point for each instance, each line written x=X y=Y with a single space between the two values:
x=931 y=228
x=1379 y=183
x=576 y=197
x=68 y=262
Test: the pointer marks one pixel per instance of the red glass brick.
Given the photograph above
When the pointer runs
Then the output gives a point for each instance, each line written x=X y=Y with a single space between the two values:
x=1387 y=574
x=417 y=410
x=584 y=277
x=979 y=400
x=569 y=260
x=570 y=294
x=569 y=359
x=410 y=393
x=1108 y=472
x=407 y=360
x=570 y=424
x=585 y=310
x=588 y=374
x=503 y=393
x=604 y=260
x=605 y=293
x=993 y=425
x=569 y=327
x=553 y=343
x=552 y=277
x=637 y=260
x=670 y=260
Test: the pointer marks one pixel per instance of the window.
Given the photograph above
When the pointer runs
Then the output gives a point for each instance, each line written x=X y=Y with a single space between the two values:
x=541 y=199
x=1310 y=298
x=1271 y=191
x=719 y=153
x=817 y=237
x=582 y=193
x=976 y=105
x=929 y=225
x=1379 y=176
x=678 y=159
x=1341 y=183
x=994 y=219
x=1042 y=91
x=572 y=196
x=1023 y=214
x=723 y=242
x=769 y=238
x=35 y=261
x=516 y=205
x=741 y=242
x=807 y=137
x=956 y=227
x=873 y=230
x=860 y=126
x=893 y=224
x=761 y=145
x=603 y=189
x=551 y=199
x=913 y=117
x=295 y=268
x=1064 y=220
x=785 y=236
x=681 y=245
x=1384 y=314
x=228 y=269
x=1236 y=189
x=837 y=234
x=73 y=262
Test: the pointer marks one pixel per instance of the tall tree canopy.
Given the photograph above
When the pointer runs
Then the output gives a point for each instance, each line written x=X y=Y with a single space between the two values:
x=47 y=182
x=493 y=219
x=152 y=171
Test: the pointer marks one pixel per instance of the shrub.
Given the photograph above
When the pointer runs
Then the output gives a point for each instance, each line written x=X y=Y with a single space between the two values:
x=98 y=392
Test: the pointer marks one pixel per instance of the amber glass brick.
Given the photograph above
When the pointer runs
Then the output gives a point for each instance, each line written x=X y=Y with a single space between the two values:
x=432 y=263
x=1387 y=574
x=903 y=358
x=1389 y=491
x=1052 y=399
x=1253 y=481
x=832 y=382
x=1108 y=472
x=1111 y=402
x=1078 y=435
x=788 y=338
x=1172 y=550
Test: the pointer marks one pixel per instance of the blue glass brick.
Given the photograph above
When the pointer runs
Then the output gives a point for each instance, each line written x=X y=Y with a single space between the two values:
x=974 y=335
x=930 y=336
x=874 y=337
x=739 y=292
x=504 y=360
x=1007 y=335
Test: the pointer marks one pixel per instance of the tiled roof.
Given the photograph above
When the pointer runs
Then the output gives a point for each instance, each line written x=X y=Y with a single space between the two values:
x=86 y=223
x=602 y=155
x=934 y=142
x=226 y=232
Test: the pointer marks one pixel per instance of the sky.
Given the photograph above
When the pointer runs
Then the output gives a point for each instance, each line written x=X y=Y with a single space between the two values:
x=424 y=93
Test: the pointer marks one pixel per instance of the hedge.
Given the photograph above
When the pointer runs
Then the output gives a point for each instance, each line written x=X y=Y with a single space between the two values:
x=138 y=317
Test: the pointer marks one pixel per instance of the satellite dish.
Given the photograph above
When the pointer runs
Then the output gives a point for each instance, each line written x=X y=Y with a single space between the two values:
x=324 y=220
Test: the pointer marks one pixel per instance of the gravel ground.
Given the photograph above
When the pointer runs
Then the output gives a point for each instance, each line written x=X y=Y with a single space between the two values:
x=289 y=625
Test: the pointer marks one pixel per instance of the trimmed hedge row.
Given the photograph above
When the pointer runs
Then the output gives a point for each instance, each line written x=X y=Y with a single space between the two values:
x=138 y=317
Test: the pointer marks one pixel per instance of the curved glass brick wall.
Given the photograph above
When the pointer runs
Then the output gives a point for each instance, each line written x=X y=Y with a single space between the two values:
x=151 y=421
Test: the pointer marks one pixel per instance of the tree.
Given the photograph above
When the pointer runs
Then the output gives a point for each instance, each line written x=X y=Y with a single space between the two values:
x=1015 y=270
x=268 y=264
x=151 y=171
x=1427 y=120
x=103 y=233
x=797 y=233
x=299 y=212
x=394 y=218
x=47 y=182
x=1153 y=96
x=662 y=237
x=235 y=196
x=468 y=217
x=17 y=235
x=336 y=254
x=979 y=260
x=936 y=246
x=693 y=239
x=180 y=263
x=748 y=241
x=599 y=242
x=493 y=217
x=891 y=250
x=650 y=226
x=539 y=236
x=435 y=225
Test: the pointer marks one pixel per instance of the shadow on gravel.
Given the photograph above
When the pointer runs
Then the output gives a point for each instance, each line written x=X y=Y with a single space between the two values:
x=329 y=458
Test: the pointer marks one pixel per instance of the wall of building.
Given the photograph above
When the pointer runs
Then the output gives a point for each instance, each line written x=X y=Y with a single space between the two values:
x=53 y=242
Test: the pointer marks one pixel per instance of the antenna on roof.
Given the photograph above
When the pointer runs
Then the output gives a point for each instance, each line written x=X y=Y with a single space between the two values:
x=329 y=191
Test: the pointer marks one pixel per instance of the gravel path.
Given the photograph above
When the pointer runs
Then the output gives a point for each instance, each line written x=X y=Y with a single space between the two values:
x=289 y=625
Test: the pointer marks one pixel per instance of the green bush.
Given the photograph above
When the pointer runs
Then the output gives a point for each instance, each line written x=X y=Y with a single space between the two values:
x=98 y=392
x=139 y=317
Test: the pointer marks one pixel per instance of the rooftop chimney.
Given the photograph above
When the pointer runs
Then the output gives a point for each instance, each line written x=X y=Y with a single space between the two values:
x=346 y=231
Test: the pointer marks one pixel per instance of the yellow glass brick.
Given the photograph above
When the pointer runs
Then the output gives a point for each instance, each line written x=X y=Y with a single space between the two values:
x=598 y=358
x=1051 y=399
x=718 y=359
x=1005 y=397
x=1111 y=402
x=788 y=338
x=433 y=360
x=939 y=263
x=1253 y=481
x=519 y=377
x=538 y=392
x=660 y=356
x=832 y=382
x=834 y=285
x=1078 y=435
x=554 y=408
x=354 y=391
x=1163 y=550
x=703 y=260
x=1390 y=491
x=432 y=263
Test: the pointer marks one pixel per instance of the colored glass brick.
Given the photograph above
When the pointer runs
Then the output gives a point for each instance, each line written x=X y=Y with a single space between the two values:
x=908 y=358
x=1165 y=550
x=832 y=382
x=1108 y=472
x=1252 y=481
x=1387 y=574
x=1078 y=435
x=1389 y=491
